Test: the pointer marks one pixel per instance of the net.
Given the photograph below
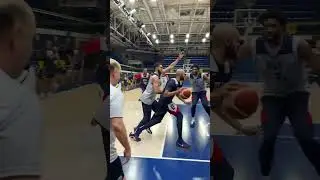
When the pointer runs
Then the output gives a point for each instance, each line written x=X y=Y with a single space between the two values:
x=187 y=67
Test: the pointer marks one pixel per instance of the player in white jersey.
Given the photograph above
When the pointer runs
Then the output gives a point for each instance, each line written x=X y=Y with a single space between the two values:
x=148 y=97
x=164 y=79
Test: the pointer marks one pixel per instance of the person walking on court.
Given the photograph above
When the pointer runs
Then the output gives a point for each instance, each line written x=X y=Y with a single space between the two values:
x=20 y=116
x=118 y=129
x=148 y=97
x=224 y=50
x=281 y=59
x=173 y=88
x=197 y=80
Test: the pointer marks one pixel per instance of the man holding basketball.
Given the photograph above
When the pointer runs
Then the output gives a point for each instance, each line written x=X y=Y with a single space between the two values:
x=224 y=48
x=197 y=80
x=148 y=97
x=173 y=88
x=280 y=59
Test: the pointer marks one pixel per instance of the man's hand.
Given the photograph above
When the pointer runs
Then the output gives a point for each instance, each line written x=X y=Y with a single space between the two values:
x=127 y=154
x=250 y=130
x=180 y=90
x=181 y=54
x=93 y=122
x=187 y=102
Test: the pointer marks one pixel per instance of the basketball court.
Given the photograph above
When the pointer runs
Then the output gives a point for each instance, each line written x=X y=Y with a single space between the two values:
x=242 y=152
x=169 y=27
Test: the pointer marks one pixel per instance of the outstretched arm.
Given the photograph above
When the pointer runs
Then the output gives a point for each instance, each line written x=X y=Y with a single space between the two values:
x=173 y=64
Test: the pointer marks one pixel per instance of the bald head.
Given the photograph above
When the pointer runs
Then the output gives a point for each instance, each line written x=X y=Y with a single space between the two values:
x=14 y=13
x=225 y=42
x=224 y=32
x=180 y=72
x=16 y=35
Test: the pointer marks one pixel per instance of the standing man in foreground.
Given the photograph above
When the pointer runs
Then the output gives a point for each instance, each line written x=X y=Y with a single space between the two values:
x=118 y=129
x=20 y=117
x=281 y=58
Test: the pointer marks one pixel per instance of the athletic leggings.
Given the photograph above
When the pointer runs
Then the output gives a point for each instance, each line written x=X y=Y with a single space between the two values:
x=219 y=166
x=275 y=110
x=204 y=101
x=147 y=112
x=161 y=112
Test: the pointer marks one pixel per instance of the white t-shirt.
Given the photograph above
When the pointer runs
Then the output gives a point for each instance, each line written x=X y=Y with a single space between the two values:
x=20 y=129
x=116 y=111
x=28 y=78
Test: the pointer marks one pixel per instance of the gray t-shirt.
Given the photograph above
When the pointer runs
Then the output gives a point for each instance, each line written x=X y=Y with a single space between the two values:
x=20 y=129
x=115 y=104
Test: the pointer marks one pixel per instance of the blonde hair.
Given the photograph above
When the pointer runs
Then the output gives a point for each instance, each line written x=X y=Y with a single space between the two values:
x=114 y=65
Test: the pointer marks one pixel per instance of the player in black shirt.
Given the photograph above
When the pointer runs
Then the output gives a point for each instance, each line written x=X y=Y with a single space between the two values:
x=165 y=104
x=224 y=49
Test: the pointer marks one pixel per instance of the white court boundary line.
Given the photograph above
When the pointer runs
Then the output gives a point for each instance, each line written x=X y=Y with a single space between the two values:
x=172 y=159
x=278 y=137
x=164 y=139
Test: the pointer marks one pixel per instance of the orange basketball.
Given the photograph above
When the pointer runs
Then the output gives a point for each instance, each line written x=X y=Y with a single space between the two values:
x=185 y=94
x=247 y=102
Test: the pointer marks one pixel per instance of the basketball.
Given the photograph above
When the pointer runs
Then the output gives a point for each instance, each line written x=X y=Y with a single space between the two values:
x=247 y=102
x=185 y=94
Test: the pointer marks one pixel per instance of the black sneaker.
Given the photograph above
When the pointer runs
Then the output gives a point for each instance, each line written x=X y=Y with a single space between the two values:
x=149 y=130
x=134 y=137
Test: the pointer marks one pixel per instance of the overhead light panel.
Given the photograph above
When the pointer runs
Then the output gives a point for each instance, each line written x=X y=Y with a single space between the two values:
x=132 y=11
x=187 y=36
x=171 y=36
x=204 y=40
x=143 y=26
x=154 y=36
x=171 y=40
x=157 y=41
x=207 y=35
x=186 y=40
x=131 y=1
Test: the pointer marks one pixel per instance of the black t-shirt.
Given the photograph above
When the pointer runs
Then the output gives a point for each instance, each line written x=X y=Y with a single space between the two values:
x=219 y=74
x=172 y=85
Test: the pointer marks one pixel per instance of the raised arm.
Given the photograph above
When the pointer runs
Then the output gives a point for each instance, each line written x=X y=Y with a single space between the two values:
x=173 y=64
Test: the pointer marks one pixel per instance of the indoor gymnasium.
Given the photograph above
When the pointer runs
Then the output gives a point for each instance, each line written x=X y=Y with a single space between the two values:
x=68 y=45
x=150 y=32
x=241 y=151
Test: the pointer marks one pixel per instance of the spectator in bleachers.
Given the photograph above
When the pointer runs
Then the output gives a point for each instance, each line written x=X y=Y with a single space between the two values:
x=77 y=62
x=46 y=73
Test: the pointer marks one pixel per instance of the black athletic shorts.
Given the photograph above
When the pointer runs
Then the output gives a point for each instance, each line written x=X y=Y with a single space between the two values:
x=115 y=171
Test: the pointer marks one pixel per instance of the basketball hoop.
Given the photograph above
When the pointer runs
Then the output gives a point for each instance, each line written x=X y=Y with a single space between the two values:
x=187 y=67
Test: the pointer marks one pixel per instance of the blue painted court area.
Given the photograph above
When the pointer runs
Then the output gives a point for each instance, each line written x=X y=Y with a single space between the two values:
x=197 y=137
x=165 y=169
x=289 y=163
